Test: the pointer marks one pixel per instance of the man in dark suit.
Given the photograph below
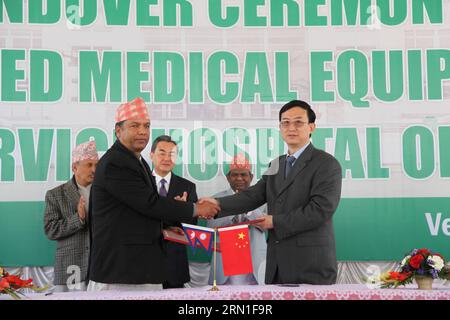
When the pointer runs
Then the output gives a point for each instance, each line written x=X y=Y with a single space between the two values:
x=164 y=155
x=302 y=190
x=127 y=212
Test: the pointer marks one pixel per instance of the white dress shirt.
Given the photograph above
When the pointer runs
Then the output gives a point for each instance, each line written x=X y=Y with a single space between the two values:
x=158 y=179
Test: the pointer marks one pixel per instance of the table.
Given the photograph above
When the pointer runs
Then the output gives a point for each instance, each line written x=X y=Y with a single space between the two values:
x=268 y=292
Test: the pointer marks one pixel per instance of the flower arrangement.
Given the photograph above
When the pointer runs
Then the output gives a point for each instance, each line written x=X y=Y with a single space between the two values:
x=419 y=262
x=12 y=284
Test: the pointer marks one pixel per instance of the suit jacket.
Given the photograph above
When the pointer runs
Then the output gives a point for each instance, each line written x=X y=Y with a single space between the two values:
x=258 y=245
x=126 y=219
x=62 y=223
x=301 y=246
x=178 y=266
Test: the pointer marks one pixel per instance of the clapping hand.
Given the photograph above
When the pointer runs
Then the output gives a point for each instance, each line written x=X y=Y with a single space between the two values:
x=81 y=208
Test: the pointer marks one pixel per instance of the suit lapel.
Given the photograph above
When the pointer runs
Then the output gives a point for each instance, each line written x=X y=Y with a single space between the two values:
x=148 y=175
x=144 y=167
x=153 y=182
x=299 y=165
x=279 y=177
x=173 y=190
x=72 y=192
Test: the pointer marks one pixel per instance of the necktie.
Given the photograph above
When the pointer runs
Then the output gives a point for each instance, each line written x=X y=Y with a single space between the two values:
x=163 y=190
x=289 y=164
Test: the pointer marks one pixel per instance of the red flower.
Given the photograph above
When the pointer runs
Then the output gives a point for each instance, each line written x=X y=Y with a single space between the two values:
x=4 y=284
x=17 y=283
x=399 y=276
x=394 y=275
x=416 y=261
x=425 y=252
x=11 y=284
x=403 y=276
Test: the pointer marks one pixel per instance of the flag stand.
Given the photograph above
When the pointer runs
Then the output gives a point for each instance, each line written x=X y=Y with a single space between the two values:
x=215 y=287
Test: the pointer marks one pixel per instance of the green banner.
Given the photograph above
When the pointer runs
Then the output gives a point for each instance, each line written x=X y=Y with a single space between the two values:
x=366 y=229
x=214 y=75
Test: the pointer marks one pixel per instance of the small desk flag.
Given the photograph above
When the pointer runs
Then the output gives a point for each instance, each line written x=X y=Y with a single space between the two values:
x=199 y=235
x=235 y=248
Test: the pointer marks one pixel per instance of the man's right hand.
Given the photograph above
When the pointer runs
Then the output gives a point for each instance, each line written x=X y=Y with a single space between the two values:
x=82 y=209
x=206 y=209
x=210 y=200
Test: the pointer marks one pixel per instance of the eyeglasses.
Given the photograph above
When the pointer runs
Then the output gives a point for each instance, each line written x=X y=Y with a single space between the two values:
x=164 y=154
x=285 y=124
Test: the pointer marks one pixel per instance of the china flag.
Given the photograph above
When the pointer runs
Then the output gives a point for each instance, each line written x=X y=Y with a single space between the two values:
x=235 y=248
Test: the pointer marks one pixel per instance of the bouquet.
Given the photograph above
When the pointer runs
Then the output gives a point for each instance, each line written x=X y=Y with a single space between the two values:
x=12 y=284
x=419 y=262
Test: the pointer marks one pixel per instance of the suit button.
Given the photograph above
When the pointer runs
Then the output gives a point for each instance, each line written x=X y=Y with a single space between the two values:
x=277 y=242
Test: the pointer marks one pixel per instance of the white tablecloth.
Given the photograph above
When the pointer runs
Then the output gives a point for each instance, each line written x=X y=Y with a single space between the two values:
x=269 y=292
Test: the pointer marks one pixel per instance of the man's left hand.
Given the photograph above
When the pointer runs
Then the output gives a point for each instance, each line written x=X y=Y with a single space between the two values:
x=177 y=230
x=267 y=223
x=183 y=198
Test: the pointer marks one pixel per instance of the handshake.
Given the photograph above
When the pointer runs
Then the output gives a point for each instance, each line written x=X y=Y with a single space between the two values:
x=206 y=208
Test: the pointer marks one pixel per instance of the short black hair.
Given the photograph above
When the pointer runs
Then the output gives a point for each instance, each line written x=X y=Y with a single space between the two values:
x=162 y=138
x=118 y=124
x=299 y=104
